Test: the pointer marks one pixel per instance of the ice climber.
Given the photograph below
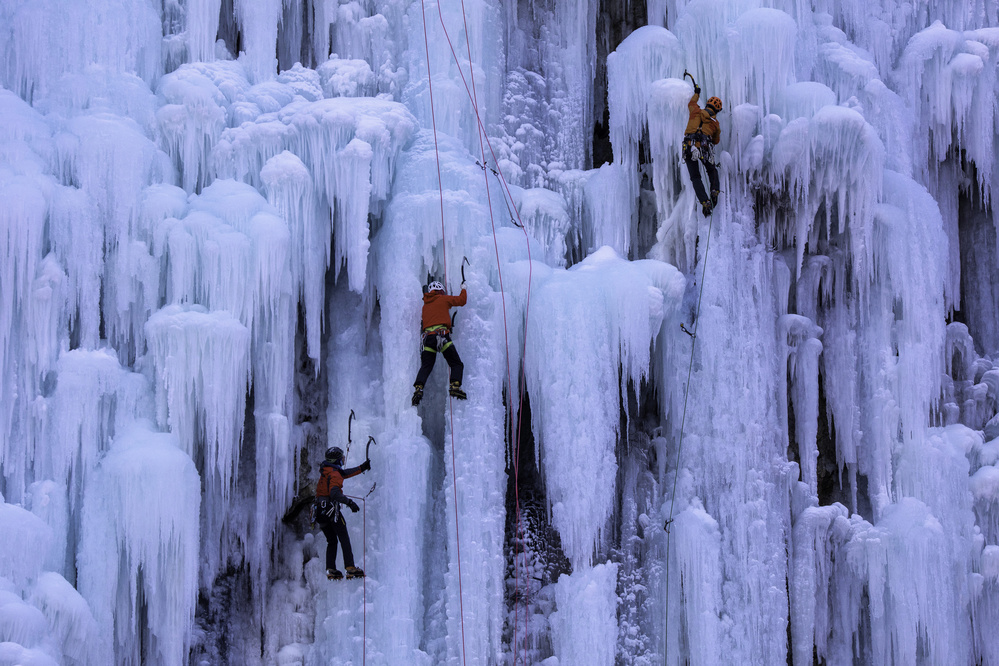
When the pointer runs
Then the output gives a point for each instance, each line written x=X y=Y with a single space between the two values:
x=329 y=497
x=699 y=138
x=437 y=338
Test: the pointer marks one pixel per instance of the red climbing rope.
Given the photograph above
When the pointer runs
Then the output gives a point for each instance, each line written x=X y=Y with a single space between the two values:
x=454 y=471
x=364 y=583
x=473 y=98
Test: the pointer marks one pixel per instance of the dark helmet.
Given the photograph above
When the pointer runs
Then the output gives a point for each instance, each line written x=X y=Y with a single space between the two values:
x=334 y=454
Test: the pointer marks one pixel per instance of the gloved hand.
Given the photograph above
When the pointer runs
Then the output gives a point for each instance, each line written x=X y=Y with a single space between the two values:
x=366 y=465
x=462 y=285
x=697 y=89
x=352 y=505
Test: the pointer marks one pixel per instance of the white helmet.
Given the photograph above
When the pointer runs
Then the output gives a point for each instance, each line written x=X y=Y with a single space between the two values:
x=435 y=286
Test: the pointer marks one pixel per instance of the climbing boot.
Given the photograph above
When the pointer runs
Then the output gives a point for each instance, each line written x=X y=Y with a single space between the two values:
x=417 y=394
x=706 y=208
x=334 y=574
x=456 y=392
x=714 y=198
x=354 y=572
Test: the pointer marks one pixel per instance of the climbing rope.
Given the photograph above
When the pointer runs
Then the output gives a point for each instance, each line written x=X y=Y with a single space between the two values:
x=454 y=475
x=683 y=420
x=364 y=566
x=507 y=197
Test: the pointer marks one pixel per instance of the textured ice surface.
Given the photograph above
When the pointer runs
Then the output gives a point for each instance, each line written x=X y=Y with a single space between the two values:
x=215 y=222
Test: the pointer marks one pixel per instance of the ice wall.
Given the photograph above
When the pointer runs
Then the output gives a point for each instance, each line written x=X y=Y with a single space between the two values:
x=830 y=184
x=215 y=221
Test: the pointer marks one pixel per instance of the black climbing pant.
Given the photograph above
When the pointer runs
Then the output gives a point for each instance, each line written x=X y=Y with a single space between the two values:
x=695 y=177
x=432 y=343
x=336 y=530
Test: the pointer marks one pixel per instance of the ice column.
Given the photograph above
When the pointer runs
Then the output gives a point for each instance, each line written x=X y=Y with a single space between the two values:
x=477 y=429
x=202 y=371
x=138 y=555
x=602 y=317
x=585 y=625
x=645 y=56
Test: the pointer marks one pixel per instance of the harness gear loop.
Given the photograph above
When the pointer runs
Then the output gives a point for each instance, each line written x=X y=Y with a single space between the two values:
x=697 y=146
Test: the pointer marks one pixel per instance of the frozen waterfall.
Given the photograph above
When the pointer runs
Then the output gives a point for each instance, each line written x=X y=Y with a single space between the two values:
x=765 y=436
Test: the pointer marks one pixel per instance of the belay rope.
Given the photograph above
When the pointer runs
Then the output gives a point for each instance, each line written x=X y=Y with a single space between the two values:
x=482 y=134
x=683 y=419
x=454 y=475
x=364 y=540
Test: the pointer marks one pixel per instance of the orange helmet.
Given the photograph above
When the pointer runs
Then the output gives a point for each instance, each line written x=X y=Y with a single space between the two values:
x=715 y=103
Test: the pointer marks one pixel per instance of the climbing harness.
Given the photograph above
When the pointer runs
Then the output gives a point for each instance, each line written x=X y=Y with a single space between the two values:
x=683 y=419
x=436 y=339
x=697 y=147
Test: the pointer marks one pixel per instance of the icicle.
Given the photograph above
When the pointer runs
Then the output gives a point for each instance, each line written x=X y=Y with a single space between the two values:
x=49 y=38
x=26 y=537
x=347 y=78
x=259 y=22
x=352 y=175
x=290 y=191
x=545 y=216
x=201 y=362
x=698 y=551
x=761 y=72
x=140 y=538
x=577 y=352
x=68 y=615
x=803 y=349
x=202 y=28
x=20 y=623
x=814 y=548
x=646 y=55
x=585 y=624
x=668 y=114
x=610 y=194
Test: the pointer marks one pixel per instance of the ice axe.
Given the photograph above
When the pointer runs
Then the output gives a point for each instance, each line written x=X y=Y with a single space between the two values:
x=367 y=450
x=464 y=260
x=349 y=419
x=686 y=74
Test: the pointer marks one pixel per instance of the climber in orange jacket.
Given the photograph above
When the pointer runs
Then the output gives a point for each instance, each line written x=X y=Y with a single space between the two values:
x=437 y=338
x=329 y=497
x=699 y=138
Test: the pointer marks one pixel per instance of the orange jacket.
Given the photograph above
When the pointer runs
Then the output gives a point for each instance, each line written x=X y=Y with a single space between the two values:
x=437 y=305
x=701 y=120
x=331 y=476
